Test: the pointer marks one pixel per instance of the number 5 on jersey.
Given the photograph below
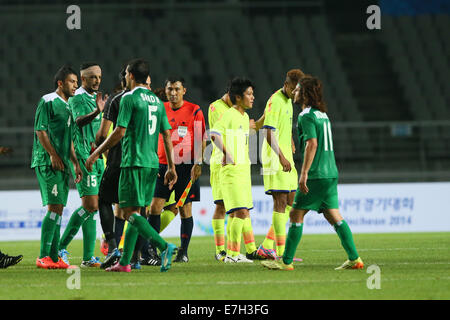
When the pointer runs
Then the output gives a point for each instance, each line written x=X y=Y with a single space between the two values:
x=152 y=119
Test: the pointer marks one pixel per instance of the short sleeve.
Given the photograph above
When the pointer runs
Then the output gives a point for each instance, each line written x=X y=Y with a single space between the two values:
x=42 y=116
x=125 y=112
x=308 y=127
x=111 y=111
x=199 y=120
x=77 y=107
x=165 y=125
x=272 y=114
x=220 y=125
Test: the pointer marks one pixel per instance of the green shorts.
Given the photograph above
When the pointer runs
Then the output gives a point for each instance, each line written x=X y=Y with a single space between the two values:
x=322 y=195
x=136 y=186
x=214 y=180
x=54 y=185
x=236 y=185
x=90 y=184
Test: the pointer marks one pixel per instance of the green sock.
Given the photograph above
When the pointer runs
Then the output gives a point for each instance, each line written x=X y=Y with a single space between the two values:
x=166 y=218
x=146 y=230
x=345 y=234
x=55 y=243
x=129 y=243
x=76 y=220
x=89 y=228
x=219 y=234
x=293 y=239
x=47 y=233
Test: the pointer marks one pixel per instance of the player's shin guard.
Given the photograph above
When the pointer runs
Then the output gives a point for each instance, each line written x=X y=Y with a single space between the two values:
x=279 y=226
x=186 y=232
x=236 y=234
x=249 y=238
x=131 y=236
x=345 y=234
x=47 y=233
x=293 y=239
x=89 y=228
x=145 y=230
x=219 y=234
x=270 y=238
x=106 y=215
x=55 y=243
x=76 y=220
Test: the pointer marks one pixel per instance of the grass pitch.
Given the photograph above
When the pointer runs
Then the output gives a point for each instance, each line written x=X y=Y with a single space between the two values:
x=411 y=266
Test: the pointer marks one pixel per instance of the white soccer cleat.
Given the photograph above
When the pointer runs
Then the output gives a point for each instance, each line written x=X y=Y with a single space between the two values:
x=238 y=259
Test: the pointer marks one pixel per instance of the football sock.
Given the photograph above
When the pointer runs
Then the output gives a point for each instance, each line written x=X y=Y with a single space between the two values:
x=76 y=220
x=345 y=234
x=106 y=215
x=55 y=242
x=249 y=238
x=186 y=232
x=219 y=234
x=293 y=239
x=229 y=223
x=47 y=233
x=129 y=244
x=269 y=239
x=166 y=218
x=279 y=226
x=236 y=234
x=155 y=221
x=118 y=229
x=89 y=228
x=146 y=230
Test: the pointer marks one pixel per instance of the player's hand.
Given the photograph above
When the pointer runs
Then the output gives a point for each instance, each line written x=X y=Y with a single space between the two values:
x=78 y=173
x=90 y=162
x=5 y=150
x=285 y=164
x=227 y=159
x=302 y=183
x=57 y=163
x=196 y=172
x=101 y=101
x=252 y=124
x=170 y=177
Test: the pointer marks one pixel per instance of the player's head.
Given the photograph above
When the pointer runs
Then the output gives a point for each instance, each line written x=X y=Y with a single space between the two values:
x=161 y=94
x=66 y=80
x=241 y=92
x=122 y=73
x=91 y=76
x=175 y=89
x=309 y=92
x=137 y=72
x=292 y=78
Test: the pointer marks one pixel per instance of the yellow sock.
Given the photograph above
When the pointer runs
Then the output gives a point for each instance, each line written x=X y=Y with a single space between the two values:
x=229 y=222
x=249 y=238
x=279 y=225
x=269 y=239
x=219 y=234
x=122 y=239
x=166 y=217
x=236 y=235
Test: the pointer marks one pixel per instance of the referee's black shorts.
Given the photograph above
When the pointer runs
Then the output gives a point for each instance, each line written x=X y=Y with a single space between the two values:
x=109 y=186
x=184 y=175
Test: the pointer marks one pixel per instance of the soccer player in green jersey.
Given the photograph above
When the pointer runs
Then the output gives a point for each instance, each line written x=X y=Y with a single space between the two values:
x=317 y=188
x=141 y=118
x=86 y=107
x=52 y=153
x=231 y=136
x=280 y=175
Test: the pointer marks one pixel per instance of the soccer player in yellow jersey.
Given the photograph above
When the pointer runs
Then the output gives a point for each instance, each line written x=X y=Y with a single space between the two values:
x=280 y=175
x=231 y=136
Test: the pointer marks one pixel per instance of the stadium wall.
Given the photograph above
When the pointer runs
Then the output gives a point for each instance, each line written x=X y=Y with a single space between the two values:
x=368 y=208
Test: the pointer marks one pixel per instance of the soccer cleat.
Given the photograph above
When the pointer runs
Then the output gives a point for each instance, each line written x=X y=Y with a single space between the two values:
x=278 y=265
x=119 y=268
x=152 y=258
x=111 y=259
x=237 y=259
x=61 y=264
x=64 y=254
x=181 y=256
x=104 y=246
x=136 y=265
x=255 y=256
x=94 y=262
x=166 y=257
x=46 y=263
x=294 y=259
x=221 y=255
x=7 y=261
x=352 y=264
x=268 y=253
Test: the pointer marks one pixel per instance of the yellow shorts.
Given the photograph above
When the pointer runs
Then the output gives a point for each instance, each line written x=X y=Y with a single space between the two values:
x=236 y=185
x=214 y=180
x=280 y=181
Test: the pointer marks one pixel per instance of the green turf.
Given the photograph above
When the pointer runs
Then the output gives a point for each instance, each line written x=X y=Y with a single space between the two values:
x=412 y=266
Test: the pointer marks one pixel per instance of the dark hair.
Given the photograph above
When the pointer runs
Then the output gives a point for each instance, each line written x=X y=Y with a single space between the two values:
x=122 y=74
x=89 y=64
x=62 y=74
x=140 y=69
x=161 y=94
x=294 y=75
x=237 y=87
x=175 y=78
x=311 y=93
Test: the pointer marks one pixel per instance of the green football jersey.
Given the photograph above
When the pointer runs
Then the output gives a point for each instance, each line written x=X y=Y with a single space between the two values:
x=144 y=116
x=215 y=112
x=53 y=116
x=313 y=123
x=278 y=117
x=81 y=104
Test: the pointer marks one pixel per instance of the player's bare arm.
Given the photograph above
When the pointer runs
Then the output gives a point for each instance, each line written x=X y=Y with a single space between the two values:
x=227 y=157
x=310 y=152
x=86 y=119
x=57 y=163
x=102 y=133
x=273 y=143
x=110 y=142
x=76 y=164
x=170 y=176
